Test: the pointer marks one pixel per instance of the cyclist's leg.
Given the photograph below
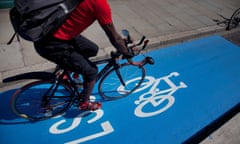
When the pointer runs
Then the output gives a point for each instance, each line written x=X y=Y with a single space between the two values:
x=54 y=50
x=78 y=63
x=88 y=70
x=68 y=55
x=86 y=47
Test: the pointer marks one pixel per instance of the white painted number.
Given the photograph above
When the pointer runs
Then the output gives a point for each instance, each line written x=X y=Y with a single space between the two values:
x=106 y=127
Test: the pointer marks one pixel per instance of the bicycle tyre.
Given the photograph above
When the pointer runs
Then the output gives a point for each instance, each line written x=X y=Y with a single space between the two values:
x=110 y=83
x=234 y=20
x=27 y=102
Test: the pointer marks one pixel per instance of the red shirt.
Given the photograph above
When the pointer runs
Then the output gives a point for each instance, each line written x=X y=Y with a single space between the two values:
x=83 y=16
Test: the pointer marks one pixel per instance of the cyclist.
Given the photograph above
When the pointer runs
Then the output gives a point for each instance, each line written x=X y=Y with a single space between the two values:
x=67 y=48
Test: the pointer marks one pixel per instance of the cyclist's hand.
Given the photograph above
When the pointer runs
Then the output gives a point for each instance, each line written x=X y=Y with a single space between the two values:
x=130 y=53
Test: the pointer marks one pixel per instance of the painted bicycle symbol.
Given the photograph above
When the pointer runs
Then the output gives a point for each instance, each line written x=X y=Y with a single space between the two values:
x=156 y=100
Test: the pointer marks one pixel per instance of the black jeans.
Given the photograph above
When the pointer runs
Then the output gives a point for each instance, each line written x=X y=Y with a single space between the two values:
x=71 y=54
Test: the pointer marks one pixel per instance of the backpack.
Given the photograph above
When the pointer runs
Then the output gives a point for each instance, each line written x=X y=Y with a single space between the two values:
x=35 y=19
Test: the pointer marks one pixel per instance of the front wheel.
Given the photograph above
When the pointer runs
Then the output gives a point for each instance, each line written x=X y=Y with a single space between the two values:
x=40 y=100
x=117 y=83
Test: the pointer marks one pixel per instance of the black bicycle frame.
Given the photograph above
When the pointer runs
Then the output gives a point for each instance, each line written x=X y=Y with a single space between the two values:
x=110 y=63
x=54 y=87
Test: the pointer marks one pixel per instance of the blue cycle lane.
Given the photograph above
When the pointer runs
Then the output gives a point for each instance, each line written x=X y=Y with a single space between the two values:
x=190 y=85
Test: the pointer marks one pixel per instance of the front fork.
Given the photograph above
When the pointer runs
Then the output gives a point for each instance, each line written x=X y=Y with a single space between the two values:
x=116 y=68
x=146 y=60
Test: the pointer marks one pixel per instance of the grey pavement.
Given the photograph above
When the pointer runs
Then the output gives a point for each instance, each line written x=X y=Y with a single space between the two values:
x=164 y=22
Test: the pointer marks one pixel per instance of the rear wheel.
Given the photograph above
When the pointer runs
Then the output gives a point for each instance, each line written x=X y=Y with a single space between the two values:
x=119 y=83
x=41 y=100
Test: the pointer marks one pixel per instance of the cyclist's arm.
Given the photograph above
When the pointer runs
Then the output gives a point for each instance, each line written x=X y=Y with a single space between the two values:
x=115 y=38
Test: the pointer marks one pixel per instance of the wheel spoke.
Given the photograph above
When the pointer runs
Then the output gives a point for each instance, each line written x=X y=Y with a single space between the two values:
x=110 y=86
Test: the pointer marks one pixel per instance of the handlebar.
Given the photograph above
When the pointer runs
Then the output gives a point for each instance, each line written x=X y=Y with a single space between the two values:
x=135 y=49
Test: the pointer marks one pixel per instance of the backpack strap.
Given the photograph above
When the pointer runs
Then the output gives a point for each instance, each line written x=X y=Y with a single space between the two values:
x=13 y=36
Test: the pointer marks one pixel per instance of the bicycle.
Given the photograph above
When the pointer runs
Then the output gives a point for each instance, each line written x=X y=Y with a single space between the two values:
x=231 y=22
x=54 y=93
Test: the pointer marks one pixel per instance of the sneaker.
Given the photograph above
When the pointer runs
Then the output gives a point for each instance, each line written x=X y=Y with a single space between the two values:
x=92 y=106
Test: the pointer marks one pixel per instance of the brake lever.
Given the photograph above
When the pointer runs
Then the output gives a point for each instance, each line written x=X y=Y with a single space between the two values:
x=137 y=51
x=145 y=44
